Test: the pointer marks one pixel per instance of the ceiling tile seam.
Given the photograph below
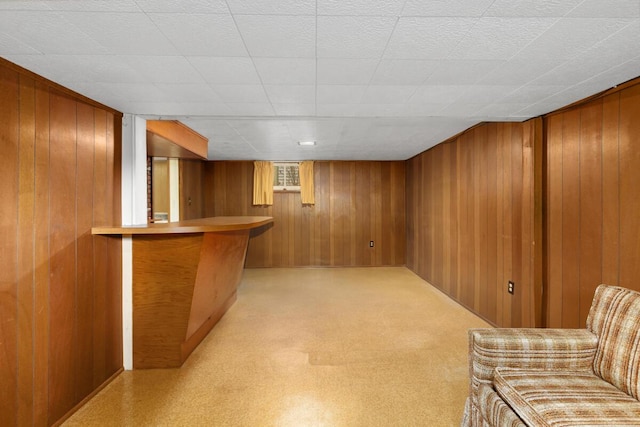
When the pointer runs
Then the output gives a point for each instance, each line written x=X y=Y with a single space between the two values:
x=244 y=43
x=574 y=8
x=484 y=12
x=381 y=57
x=634 y=22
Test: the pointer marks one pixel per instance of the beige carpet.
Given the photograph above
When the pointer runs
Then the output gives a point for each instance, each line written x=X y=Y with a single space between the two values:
x=310 y=347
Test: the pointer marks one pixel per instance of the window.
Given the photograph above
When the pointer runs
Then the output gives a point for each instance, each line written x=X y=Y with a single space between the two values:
x=286 y=177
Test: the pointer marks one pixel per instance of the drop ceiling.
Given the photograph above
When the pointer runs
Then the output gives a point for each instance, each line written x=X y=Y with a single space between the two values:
x=366 y=79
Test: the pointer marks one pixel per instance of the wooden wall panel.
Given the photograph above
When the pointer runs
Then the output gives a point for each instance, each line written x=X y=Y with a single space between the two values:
x=62 y=325
x=592 y=203
x=478 y=188
x=191 y=198
x=58 y=151
x=9 y=141
x=356 y=202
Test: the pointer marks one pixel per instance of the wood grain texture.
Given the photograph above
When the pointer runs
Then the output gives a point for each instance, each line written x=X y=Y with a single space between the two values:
x=591 y=196
x=198 y=225
x=25 y=288
x=220 y=265
x=161 y=314
x=9 y=141
x=356 y=202
x=182 y=285
x=47 y=296
x=191 y=190
x=170 y=138
x=478 y=188
x=63 y=304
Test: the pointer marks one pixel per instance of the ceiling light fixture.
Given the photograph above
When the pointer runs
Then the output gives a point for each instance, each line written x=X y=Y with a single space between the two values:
x=306 y=143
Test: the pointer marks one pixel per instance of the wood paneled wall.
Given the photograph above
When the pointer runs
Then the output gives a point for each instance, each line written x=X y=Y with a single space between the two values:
x=191 y=192
x=356 y=202
x=60 y=287
x=592 y=195
x=472 y=220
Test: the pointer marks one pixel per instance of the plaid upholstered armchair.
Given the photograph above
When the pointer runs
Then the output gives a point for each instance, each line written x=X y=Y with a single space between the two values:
x=560 y=377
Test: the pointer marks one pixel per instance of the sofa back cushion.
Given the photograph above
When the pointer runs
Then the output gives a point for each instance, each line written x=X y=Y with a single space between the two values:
x=615 y=318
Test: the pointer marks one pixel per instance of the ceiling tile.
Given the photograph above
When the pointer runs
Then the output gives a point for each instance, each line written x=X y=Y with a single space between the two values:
x=124 y=33
x=170 y=109
x=89 y=68
x=378 y=110
x=12 y=46
x=15 y=5
x=163 y=69
x=183 y=6
x=502 y=110
x=478 y=94
x=360 y=7
x=462 y=109
x=571 y=36
x=223 y=70
x=346 y=71
x=335 y=110
x=248 y=94
x=530 y=93
x=609 y=53
x=427 y=38
x=383 y=94
x=449 y=8
x=278 y=36
x=192 y=93
x=251 y=109
x=457 y=72
x=419 y=110
x=94 y=5
x=201 y=34
x=353 y=36
x=607 y=9
x=327 y=130
x=437 y=94
x=270 y=7
x=291 y=94
x=531 y=8
x=403 y=71
x=297 y=109
x=286 y=70
x=340 y=94
x=35 y=29
x=519 y=71
x=500 y=38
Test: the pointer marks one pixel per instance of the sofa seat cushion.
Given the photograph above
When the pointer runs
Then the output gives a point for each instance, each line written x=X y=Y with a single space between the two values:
x=494 y=411
x=565 y=398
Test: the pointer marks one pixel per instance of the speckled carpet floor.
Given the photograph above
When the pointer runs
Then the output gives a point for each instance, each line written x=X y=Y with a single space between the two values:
x=310 y=347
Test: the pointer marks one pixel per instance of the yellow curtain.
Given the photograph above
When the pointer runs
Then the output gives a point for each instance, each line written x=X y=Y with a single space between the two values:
x=262 y=183
x=307 y=193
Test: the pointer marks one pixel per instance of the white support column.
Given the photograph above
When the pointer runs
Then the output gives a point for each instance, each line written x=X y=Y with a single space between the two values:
x=134 y=212
x=174 y=190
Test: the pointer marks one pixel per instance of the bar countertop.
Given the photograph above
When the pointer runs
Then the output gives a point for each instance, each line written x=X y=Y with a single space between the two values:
x=201 y=225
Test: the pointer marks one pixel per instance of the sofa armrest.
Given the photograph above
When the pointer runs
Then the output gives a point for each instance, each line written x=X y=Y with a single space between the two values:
x=549 y=349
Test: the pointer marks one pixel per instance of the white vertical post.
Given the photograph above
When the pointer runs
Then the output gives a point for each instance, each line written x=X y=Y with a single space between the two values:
x=174 y=190
x=134 y=212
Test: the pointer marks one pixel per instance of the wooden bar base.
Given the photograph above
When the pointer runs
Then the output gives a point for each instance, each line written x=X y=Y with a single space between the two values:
x=185 y=277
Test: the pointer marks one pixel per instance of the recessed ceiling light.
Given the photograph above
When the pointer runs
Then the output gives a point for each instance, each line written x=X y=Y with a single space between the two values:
x=307 y=143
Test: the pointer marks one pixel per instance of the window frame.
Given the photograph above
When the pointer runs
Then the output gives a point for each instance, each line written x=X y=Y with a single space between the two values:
x=286 y=188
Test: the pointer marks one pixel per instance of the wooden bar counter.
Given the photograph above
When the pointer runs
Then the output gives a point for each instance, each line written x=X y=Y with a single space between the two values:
x=185 y=276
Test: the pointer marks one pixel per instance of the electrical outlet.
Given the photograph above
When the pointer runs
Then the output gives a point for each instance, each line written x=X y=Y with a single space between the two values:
x=510 y=286
x=370 y=243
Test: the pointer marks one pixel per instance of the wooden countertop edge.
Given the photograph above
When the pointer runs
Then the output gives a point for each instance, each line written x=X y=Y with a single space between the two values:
x=203 y=225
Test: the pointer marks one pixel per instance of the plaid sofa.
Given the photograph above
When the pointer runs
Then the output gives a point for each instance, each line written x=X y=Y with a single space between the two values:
x=560 y=377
